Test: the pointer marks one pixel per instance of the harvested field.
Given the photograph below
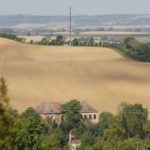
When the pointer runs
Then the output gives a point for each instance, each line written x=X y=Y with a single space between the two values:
x=32 y=38
x=113 y=33
x=98 y=75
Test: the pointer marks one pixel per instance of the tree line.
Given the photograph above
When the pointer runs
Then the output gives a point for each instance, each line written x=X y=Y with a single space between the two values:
x=11 y=37
x=129 y=47
x=61 y=41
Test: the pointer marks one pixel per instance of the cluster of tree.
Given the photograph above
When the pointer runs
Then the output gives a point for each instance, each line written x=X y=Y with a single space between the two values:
x=12 y=37
x=135 y=49
x=130 y=47
x=59 y=41
x=84 y=42
x=28 y=131
x=128 y=130
x=92 y=42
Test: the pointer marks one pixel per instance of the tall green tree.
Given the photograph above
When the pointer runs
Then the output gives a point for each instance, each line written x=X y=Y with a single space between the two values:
x=111 y=139
x=137 y=50
x=59 y=40
x=128 y=42
x=76 y=42
x=30 y=113
x=91 y=42
x=56 y=140
x=135 y=116
x=5 y=119
x=27 y=131
x=72 y=117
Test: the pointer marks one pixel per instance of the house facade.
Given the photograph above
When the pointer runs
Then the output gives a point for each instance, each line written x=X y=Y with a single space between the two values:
x=52 y=109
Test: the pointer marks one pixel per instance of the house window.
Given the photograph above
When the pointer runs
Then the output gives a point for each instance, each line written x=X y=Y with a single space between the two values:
x=90 y=117
x=94 y=116
x=85 y=117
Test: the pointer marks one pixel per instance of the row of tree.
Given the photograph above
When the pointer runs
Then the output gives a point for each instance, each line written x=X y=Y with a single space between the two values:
x=130 y=47
x=135 y=49
x=12 y=37
x=61 y=41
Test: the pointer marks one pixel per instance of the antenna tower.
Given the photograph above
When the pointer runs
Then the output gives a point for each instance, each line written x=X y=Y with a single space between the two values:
x=70 y=11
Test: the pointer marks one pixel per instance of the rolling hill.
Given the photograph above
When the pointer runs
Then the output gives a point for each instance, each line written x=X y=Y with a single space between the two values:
x=98 y=75
x=78 y=20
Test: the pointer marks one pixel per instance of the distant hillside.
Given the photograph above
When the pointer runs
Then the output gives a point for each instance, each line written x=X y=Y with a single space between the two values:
x=79 y=21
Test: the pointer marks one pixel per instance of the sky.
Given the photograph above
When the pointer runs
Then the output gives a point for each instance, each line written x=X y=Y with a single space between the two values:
x=79 y=7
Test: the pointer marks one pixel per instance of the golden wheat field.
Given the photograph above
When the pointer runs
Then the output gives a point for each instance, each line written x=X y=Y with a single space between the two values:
x=98 y=75
x=114 y=33
x=28 y=39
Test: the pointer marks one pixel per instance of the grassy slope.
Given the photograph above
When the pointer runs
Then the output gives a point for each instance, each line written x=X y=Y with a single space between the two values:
x=98 y=75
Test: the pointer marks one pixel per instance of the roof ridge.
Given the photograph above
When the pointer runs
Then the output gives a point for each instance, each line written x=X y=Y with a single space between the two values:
x=54 y=107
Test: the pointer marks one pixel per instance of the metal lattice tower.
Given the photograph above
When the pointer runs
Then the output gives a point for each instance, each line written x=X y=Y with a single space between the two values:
x=70 y=29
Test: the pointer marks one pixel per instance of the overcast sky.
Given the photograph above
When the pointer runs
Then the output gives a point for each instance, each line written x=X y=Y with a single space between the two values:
x=86 y=7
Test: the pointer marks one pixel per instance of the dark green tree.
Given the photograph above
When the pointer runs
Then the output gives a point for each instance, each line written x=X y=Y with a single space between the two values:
x=30 y=113
x=91 y=42
x=76 y=42
x=135 y=116
x=125 y=126
x=59 y=40
x=72 y=117
x=27 y=130
x=106 y=119
x=128 y=42
x=111 y=140
x=56 y=140
x=5 y=118
x=45 y=41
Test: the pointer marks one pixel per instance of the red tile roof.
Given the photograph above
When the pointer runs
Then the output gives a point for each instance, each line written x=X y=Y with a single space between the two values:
x=54 y=108
x=86 y=108
x=48 y=108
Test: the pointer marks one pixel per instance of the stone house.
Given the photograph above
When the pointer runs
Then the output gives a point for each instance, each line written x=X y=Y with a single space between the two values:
x=52 y=109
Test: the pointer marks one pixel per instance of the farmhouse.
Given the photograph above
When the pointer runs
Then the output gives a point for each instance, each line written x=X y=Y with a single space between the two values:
x=52 y=109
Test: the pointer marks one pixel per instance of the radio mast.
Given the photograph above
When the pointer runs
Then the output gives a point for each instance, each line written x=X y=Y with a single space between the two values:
x=70 y=29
